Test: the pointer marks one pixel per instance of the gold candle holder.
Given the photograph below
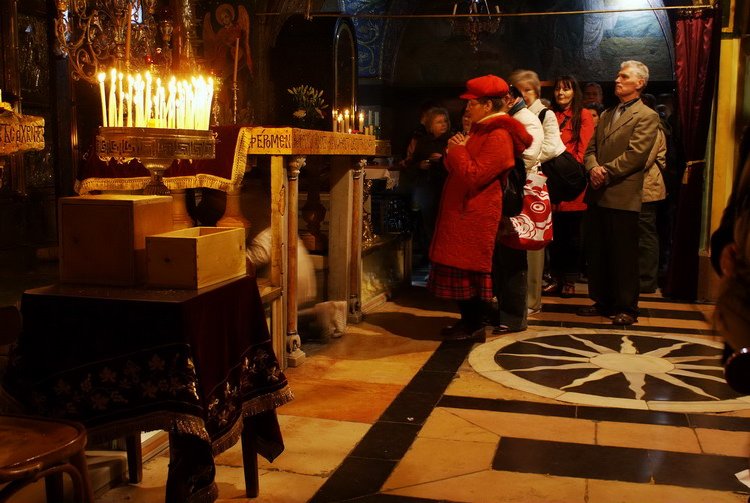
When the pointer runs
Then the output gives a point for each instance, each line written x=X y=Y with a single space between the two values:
x=155 y=148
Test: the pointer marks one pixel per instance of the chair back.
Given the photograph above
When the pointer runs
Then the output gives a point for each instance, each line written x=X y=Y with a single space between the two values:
x=10 y=324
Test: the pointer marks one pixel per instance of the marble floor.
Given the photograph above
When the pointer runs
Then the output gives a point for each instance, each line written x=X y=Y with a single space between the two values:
x=571 y=410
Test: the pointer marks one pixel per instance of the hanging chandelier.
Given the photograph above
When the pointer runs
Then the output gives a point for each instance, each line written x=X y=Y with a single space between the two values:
x=99 y=34
x=472 y=18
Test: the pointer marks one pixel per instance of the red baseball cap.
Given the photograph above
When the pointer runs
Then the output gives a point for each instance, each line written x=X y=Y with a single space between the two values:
x=488 y=86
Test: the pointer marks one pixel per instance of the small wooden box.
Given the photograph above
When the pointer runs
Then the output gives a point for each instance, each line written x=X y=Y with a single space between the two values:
x=195 y=257
x=103 y=238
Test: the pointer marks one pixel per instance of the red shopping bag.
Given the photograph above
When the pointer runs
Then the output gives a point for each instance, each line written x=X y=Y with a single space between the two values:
x=532 y=228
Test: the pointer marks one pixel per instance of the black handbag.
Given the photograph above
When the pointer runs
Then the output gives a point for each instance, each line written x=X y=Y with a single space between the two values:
x=513 y=189
x=566 y=177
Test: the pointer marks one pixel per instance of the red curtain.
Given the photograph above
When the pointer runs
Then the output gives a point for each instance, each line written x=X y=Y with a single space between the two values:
x=697 y=41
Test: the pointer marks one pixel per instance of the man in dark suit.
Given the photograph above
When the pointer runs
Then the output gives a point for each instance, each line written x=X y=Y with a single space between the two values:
x=615 y=160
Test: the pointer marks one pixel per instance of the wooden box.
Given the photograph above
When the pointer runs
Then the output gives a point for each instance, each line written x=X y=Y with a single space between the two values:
x=195 y=257
x=103 y=238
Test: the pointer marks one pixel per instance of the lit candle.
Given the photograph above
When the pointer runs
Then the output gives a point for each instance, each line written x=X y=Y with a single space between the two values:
x=340 y=124
x=369 y=118
x=112 y=105
x=210 y=101
x=148 y=98
x=236 y=57
x=346 y=120
x=171 y=103
x=130 y=101
x=102 y=77
x=334 y=116
x=120 y=102
x=361 y=127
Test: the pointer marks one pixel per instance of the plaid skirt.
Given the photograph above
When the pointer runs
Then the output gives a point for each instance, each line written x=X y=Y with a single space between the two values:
x=449 y=282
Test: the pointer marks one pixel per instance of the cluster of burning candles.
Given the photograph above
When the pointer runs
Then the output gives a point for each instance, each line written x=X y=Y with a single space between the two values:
x=141 y=101
x=346 y=122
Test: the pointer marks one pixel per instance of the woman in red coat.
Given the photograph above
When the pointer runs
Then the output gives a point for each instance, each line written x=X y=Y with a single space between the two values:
x=576 y=128
x=471 y=204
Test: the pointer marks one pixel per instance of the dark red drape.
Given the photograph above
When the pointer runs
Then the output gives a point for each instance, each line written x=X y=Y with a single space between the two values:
x=696 y=43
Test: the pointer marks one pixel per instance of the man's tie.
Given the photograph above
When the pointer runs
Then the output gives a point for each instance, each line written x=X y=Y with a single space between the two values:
x=618 y=112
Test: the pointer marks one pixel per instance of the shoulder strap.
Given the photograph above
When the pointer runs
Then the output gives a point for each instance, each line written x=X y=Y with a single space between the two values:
x=542 y=115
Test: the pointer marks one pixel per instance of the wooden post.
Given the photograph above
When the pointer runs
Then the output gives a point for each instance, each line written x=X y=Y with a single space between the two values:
x=180 y=217
x=233 y=216
x=355 y=264
x=295 y=355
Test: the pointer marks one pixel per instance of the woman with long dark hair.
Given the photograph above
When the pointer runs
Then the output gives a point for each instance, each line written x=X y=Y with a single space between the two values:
x=576 y=129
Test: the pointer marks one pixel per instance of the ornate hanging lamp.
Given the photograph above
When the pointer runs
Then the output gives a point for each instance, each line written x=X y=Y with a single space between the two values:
x=472 y=18
x=100 y=34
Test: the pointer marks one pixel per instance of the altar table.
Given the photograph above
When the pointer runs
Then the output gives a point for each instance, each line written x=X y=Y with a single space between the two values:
x=125 y=360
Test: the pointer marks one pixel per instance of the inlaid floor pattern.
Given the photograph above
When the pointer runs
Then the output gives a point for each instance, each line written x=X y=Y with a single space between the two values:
x=571 y=410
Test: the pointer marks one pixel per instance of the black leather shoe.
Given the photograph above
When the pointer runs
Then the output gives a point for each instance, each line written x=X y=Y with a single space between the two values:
x=589 y=311
x=551 y=288
x=476 y=335
x=505 y=329
x=568 y=290
x=624 y=319
x=451 y=330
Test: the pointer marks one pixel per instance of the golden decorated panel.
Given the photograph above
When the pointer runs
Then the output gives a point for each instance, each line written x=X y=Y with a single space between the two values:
x=20 y=133
x=151 y=143
x=293 y=141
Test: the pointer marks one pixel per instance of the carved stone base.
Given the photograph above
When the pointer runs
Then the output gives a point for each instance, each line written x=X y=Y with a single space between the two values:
x=354 y=314
x=294 y=354
x=295 y=358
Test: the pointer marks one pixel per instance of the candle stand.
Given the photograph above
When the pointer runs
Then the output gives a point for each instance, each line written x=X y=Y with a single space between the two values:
x=155 y=148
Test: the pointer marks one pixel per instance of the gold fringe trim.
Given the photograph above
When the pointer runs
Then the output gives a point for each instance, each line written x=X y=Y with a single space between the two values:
x=201 y=180
x=250 y=408
x=167 y=421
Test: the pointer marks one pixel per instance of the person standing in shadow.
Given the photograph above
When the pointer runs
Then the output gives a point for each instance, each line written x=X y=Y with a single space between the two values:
x=423 y=174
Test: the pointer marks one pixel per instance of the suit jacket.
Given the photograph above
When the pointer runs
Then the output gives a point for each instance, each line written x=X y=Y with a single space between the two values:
x=622 y=147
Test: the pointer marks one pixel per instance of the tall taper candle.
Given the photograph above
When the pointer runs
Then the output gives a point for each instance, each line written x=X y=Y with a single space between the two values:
x=236 y=57
x=112 y=103
x=102 y=76
x=148 y=98
x=120 y=102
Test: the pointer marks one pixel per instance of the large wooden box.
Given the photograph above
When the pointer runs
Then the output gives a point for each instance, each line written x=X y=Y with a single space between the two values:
x=195 y=257
x=103 y=238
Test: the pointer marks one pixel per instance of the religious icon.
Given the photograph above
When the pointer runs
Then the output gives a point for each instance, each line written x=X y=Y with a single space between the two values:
x=227 y=51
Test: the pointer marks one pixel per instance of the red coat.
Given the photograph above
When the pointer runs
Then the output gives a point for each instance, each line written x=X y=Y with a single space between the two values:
x=471 y=204
x=575 y=148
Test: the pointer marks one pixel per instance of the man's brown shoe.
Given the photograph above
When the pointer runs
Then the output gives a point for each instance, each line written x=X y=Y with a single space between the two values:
x=624 y=319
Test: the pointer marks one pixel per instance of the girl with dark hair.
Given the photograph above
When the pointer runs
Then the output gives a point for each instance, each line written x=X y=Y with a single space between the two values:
x=596 y=110
x=576 y=129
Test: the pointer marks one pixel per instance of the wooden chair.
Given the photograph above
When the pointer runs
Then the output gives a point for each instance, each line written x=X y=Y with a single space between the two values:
x=36 y=448
x=10 y=324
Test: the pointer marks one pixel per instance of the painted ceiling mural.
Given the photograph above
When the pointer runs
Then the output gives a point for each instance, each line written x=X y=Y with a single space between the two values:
x=590 y=46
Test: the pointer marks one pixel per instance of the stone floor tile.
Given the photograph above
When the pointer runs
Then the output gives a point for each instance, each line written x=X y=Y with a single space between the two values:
x=647 y=436
x=431 y=460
